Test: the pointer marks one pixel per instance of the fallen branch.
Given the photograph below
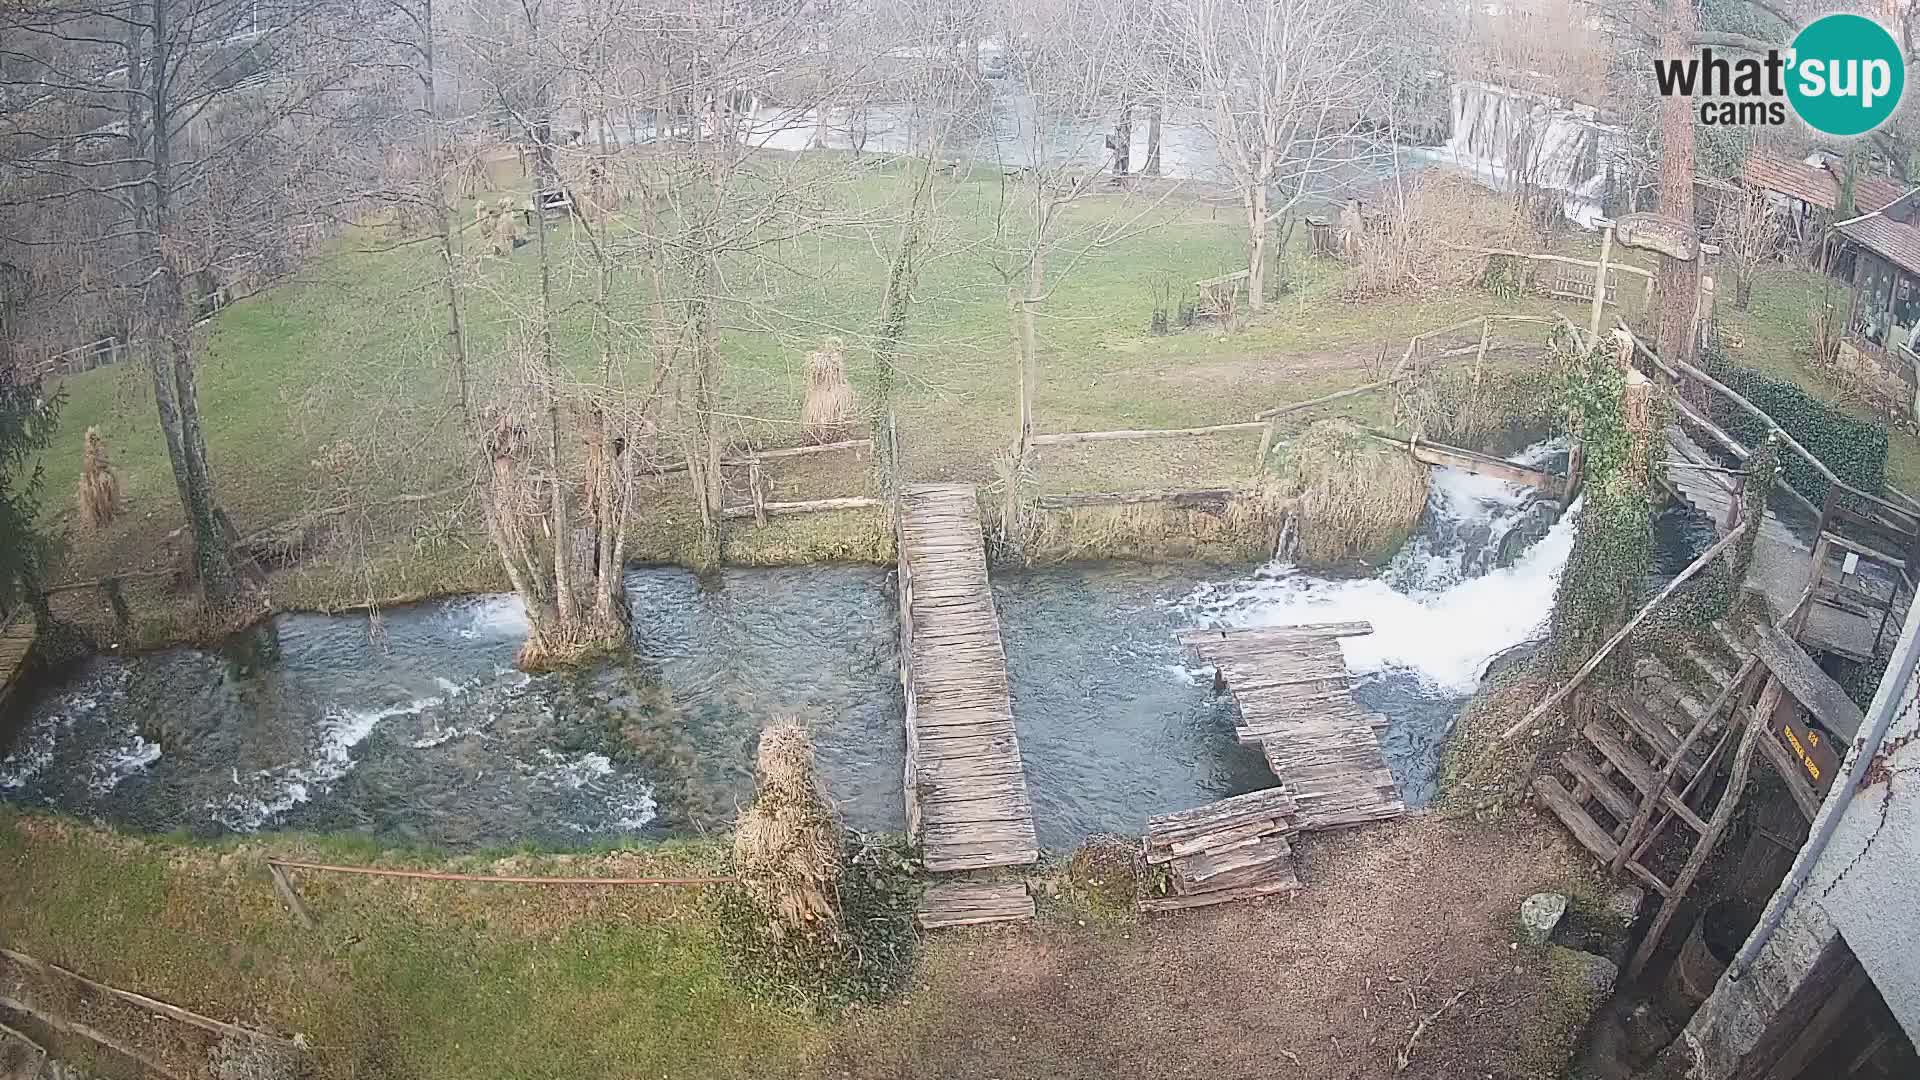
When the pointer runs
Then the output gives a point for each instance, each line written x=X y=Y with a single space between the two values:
x=186 y=1016
x=1406 y=1052
x=861 y=502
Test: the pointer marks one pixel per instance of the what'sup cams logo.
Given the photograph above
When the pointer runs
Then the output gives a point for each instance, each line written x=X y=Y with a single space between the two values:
x=1843 y=76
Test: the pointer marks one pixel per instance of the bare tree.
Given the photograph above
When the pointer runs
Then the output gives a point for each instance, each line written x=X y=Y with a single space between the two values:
x=1287 y=90
x=1749 y=231
x=186 y=137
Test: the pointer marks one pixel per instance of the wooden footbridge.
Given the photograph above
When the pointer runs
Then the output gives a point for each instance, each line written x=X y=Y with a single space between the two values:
x=1291 y=685
x=966 y=792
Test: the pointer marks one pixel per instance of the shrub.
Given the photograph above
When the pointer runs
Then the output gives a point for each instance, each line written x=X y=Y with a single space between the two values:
x=1856 y=450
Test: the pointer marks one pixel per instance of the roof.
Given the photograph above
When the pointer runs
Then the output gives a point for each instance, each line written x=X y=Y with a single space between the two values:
x=1878 y=233
x=1816 y=185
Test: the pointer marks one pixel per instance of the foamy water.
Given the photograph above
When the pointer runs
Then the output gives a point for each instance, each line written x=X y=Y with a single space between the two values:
x=1432 y=616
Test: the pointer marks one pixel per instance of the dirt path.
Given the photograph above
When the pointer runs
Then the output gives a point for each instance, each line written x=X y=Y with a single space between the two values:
x=1394 y=922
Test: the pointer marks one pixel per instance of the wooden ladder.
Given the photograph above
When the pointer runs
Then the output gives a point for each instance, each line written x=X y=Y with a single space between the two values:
x=1642 y=763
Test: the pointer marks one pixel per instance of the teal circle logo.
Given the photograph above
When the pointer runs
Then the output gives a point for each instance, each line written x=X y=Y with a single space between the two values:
x=1847 y=75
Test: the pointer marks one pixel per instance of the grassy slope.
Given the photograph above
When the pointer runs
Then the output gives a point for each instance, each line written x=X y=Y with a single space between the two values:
x=1775 y=337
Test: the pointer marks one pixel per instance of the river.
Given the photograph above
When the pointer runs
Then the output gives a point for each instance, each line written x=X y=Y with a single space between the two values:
x=413 y=728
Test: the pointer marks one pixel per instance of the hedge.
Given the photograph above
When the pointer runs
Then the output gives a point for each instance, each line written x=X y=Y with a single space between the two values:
x=1856 y=450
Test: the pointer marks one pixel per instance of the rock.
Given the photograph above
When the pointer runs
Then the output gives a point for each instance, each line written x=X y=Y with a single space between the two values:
x=1647 y=1032
x=1623 y=903
x=1532 y=527
x=1594 y=974
x=1539 y=914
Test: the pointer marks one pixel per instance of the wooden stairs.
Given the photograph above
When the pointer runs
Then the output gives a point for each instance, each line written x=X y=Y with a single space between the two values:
x=1645 y=758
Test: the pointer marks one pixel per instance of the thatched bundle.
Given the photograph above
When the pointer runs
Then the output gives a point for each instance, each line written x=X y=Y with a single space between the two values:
x=99 y=494
x=1350 y=496
x=828 y=412
x=788 y=845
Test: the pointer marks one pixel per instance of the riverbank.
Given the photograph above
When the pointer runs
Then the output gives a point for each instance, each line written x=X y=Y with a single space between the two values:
x=438 y=979
x=330 y=418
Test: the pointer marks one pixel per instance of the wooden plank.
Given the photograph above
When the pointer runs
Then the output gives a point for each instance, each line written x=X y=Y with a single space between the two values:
x=963 y=903
x=1065 y=438
x=1586 y=830
x=1283 y=883
x=1805 y=799
x=1616 y=801
x=968 y=804
x=1806 y=683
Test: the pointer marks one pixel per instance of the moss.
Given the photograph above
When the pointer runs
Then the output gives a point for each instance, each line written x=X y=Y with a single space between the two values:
x=1574 y=1001
x=1101 y=880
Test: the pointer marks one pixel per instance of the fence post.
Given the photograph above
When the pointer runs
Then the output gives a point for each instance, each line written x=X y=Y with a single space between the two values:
x=756 y=483
x=285 y=888
x=1266 y=447
x=117 y=600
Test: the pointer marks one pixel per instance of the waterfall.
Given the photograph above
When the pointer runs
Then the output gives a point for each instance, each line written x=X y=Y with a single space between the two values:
x=1441 y=610
x=1503 y=135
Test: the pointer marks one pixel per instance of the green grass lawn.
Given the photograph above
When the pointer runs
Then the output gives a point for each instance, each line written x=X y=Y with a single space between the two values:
x=1774 y=335
x=414 y=979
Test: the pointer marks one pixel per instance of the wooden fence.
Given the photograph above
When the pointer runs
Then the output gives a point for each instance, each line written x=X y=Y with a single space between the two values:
x=1422 y=351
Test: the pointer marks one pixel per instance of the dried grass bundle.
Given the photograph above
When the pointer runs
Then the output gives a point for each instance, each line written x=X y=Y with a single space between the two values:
x=788 y=845
x=828 y=412
x=1431 y=236
x=1351 y=496
x=99 y=493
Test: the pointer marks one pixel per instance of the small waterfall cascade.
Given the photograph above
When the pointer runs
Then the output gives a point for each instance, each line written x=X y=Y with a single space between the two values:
x=1505 y=136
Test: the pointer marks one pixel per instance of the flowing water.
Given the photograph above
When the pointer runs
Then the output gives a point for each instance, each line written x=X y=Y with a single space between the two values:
x=414 y=728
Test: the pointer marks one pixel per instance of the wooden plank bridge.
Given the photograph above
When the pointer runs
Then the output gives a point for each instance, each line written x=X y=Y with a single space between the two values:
x=966 y=791
x=1292 y=688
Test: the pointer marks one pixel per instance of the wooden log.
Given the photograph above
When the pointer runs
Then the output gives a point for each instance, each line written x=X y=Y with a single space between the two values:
x=1199 y=498
x=1283 y=410
x=175 y=1012
x=1454 y=457
x=1065 y=438
x=772 y=455
x=1580 y=676
x=1541 y=256
x=775 y=508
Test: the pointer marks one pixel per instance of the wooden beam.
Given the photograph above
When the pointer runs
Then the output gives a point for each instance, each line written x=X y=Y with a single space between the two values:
x=1454 y=457
x=205 y=1023
x=1806 y=683
x=771 y=455
x=1211 y=498
x=1539 y=256
x=772 y=508
x=1613 y=642
x=1065 y=438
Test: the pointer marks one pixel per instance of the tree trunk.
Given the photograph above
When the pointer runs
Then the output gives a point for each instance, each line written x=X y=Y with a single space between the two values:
x=1742 y=290
x=1121 y=142
x=1678 y=281
x=1151 y=167
x=169 y=337
x=1257 y=254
